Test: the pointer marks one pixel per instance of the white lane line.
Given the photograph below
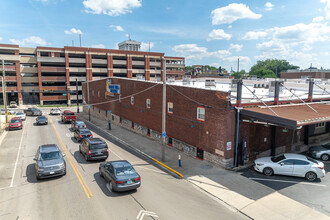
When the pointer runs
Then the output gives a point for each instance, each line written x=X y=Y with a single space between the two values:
x=116 y=154
x=19 y=150
x=286 y=181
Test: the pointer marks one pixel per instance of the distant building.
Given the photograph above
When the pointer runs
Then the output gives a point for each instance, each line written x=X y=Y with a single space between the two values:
x=311 y=72
x=130 y=45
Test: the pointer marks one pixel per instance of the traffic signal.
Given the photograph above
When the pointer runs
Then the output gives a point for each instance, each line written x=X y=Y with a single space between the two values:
x=43 y=89
x=50 y=90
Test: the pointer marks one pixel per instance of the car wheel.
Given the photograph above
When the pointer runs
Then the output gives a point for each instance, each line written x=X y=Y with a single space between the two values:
x=311 y=176
x=64 y=173
x=38 y=178
x=111 y=186
x=100 y=172
x=86 y=157
x=325 y=157
x=268 y=171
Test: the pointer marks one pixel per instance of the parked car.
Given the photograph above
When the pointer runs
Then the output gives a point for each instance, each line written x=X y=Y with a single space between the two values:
x=81 y=134
x=12 y=104
x=320 y=152
x=290 y=165
x=9 y=111
x=41 y=120
x=21 y=115
x=120 y=174
x=94 y=149
x=15 y=123
x=32 y=112
x=78 y=125
x=68 y=116
x=55 y=111
x=49 y=161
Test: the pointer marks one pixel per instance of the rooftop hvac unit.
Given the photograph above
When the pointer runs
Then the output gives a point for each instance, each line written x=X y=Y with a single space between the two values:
x=209 y=83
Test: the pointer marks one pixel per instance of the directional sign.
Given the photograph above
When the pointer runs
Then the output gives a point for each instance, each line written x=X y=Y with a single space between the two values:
x=164 y=134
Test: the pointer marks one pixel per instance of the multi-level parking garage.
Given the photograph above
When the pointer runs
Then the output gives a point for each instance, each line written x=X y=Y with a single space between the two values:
x=49 y=75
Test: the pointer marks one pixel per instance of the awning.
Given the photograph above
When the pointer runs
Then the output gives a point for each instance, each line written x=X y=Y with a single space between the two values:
x=290 y=116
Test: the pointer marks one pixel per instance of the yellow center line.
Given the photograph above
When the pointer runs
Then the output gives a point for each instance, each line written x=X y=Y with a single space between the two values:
x=71 y=161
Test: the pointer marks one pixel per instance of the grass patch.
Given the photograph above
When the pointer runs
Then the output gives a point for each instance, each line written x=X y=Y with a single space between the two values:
x=52 y=106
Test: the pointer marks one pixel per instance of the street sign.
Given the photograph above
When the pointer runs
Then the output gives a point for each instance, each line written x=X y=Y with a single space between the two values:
x=64 y=94
x=89 y=106
x=164 y=134
x=109 y=111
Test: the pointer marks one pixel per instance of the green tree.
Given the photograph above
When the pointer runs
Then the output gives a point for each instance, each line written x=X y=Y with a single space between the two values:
x=239 y=75
x=269 y=68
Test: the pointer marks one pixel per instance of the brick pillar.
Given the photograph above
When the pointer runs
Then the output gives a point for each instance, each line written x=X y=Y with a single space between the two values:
x=110 y=64
x=147 y=68
x=19 y=83
x=129 y=66
x=162 y=67
x=67 y=77
x=40 y=83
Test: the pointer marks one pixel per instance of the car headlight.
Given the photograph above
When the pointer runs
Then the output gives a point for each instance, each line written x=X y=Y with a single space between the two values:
x=259 y=164
x=41 y=169
x=62 y=166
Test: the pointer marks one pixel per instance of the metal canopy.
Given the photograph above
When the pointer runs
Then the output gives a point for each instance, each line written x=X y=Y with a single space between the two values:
x=290 y=116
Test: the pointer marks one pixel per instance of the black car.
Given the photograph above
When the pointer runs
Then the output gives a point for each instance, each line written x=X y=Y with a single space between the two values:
x=81 y=134
x=94 y=149
x=41 y=120
x=78 y=125
x=32 y=112
x=120 y=175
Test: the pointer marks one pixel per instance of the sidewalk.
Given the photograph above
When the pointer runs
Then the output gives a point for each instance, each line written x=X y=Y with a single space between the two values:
x=228 y=187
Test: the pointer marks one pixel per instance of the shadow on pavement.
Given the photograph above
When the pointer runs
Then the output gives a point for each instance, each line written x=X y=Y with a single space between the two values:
x=31 y=175
x=101 y=182
x=80 y=158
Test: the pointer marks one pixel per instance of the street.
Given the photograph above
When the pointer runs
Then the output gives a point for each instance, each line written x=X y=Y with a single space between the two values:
x=81 y=193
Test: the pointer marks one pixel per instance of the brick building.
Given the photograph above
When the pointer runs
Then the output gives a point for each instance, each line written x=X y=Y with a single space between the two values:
x=202 y=121
x=307 y=73
x=45 y=74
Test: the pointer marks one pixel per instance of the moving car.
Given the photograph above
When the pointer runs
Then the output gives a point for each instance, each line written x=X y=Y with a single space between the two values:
x=120 y=174
x=12 y=104
x=32 y=112
x=49 y=161
x=94 y=149
x=55 y=111
x=290 y=165
x=320 y=152
x=68 y=116
x=78 y=125
x=81 y=134
x=41 y=120
x=15 y=123
x=21 y=115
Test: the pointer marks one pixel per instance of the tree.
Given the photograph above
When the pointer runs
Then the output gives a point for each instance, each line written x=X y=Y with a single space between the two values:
x=239 y=75
x=269 y=68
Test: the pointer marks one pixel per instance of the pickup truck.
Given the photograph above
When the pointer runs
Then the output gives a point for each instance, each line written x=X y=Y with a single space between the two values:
x=68 y=116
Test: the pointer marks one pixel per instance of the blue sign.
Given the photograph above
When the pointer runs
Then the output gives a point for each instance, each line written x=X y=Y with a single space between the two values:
x=89 y=106
x=114 y=88
x=164 y=134
x=109 y=111
x=115 y=91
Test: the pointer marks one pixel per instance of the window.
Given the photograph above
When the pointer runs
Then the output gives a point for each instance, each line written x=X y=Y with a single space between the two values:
x=148 y=103
x=170 y=107
x=200 y=114
x=301 y=162
x=288 y=162
x=320 y=125
x=98 y=93
x=132 y=100
x=92 y=92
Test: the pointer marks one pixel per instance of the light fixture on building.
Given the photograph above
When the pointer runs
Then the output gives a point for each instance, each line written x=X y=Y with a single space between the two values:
x=285 y=130
x=267 y=125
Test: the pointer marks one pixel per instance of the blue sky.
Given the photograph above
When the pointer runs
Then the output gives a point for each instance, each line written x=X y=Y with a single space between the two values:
x=204 y=32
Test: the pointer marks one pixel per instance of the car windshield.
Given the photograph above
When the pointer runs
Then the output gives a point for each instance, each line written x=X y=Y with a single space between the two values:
x=42 y=118
x=19 y=113
x=278 y=158
x=327 y=146
x=312 y=160
x=49 y=156
x=69 y=113
x=84 y=132
x=15 y=121
x=121 y=171
x=98 y=146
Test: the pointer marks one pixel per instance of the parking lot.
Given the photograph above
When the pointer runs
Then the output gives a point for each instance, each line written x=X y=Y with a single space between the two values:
x=312 y=194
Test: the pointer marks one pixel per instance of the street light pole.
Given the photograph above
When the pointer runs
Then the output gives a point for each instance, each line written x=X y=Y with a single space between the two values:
x=77 y=95
x=4 y=88
x=89 y=107
x=164 y=114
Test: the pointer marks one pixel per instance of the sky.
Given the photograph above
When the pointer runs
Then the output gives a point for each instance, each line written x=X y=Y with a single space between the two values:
x=212 y=32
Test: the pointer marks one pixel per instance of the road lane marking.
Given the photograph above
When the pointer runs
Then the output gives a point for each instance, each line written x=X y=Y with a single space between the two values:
x=73 y=165
x=287 y=181
x=143 y=213
x=19 y=150
x=116 y=154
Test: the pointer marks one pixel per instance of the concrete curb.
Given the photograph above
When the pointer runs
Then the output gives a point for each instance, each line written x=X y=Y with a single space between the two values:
x=139 y=151
x=3 y=135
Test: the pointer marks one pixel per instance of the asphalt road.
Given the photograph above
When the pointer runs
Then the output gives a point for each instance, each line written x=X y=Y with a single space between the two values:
x=82 y=194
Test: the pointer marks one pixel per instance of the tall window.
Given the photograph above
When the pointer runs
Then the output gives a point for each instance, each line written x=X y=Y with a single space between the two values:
x=98 y=93
x=132 y=100
x=200 y=114
x=170 y=107
x=148 y=103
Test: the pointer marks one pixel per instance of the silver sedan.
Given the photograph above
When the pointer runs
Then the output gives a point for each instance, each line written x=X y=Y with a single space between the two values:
x=320 y=152
x=290 y=165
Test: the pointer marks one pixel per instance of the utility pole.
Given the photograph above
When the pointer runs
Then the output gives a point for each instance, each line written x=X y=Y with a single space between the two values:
x=80 y=39
x=89 y=107
x=77 y=95
x=164 y=114
x=4 y=88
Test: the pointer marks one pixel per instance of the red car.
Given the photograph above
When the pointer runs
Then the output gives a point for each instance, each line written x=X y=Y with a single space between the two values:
x=15 y=123
x=68 y=116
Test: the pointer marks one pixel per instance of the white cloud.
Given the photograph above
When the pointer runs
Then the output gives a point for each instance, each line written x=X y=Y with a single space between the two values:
x=254 y=35
x=269 y=6
x=116 y=28
x=1 y=38
x=235 y=47
x=318 y=19
x=231 y=13
x=242 y=59
x=145 y=46
x=271 y=46
x=111 y=7
x=194 y=52
x=73 y=31
x=33 y=40
x=218 y=34
x=327 y=8
x=230 y=26
x=98 y=46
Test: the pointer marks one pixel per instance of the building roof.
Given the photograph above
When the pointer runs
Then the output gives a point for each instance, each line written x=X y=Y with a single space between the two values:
x=290 y=116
